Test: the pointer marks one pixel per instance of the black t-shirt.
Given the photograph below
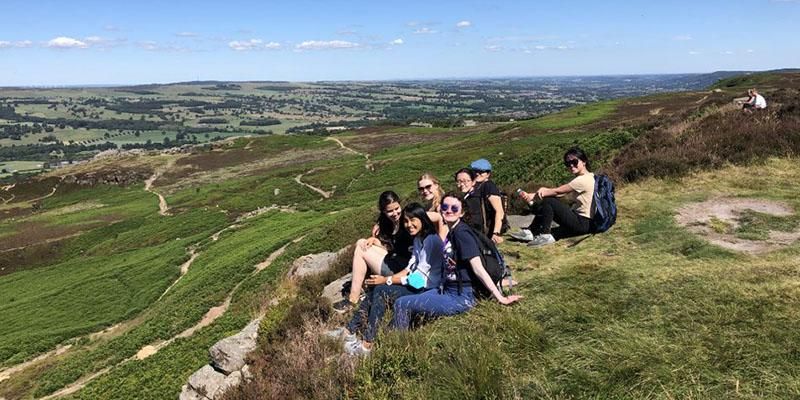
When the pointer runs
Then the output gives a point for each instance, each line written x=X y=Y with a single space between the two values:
x=463 y=248
x=400 y=245
x=480 y=194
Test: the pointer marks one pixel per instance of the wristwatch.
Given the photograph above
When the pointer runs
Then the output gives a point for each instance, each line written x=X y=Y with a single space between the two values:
x=389 y=281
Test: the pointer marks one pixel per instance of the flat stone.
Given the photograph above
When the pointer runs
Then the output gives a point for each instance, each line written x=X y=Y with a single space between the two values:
x=333 y=291
x=519 y=221
x=313 y=263
x=203 y=384
x=228 y=355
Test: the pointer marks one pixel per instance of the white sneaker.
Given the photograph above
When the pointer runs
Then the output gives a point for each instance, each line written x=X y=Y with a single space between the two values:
x=341 y=334
x=542 y=240
x=356 y=348
x=524 y=235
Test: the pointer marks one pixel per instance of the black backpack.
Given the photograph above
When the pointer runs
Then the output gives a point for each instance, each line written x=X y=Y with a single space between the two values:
x=604 y=204
x=504 y=225
x=493 y=263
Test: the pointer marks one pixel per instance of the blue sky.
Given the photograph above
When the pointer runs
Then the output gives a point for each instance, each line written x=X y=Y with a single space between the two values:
x=105 y=42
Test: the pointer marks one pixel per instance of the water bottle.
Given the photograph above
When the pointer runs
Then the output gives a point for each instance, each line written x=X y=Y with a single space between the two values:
x=520 y=192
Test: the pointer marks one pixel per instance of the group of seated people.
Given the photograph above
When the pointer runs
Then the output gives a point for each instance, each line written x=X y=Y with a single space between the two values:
x=423 y=259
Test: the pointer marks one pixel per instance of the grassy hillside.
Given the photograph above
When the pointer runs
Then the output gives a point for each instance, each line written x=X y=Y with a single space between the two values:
x=661 y=313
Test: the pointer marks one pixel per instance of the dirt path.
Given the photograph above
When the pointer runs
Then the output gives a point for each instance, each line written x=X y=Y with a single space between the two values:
x=184 y=269
x=212 y=315
x=163 y=208
x=323 y=193
x=6 y=373
x=368 y=164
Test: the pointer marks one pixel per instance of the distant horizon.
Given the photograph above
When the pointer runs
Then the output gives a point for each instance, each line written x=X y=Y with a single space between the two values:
x=118 y=85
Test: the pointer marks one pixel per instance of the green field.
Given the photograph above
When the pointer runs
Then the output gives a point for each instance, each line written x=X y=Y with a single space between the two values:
x=18 y=166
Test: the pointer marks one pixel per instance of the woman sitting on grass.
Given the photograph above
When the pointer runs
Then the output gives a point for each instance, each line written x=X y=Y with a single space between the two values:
x=422 y=273
x=463 y=261
x=385 y=253
x=572 y=221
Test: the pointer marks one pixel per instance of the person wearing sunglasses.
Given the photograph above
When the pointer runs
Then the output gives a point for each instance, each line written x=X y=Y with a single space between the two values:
x=430 y=190
x=385 y=253
x=490 y=213
x=572 y=221
x=423 y=273
x=462 y=261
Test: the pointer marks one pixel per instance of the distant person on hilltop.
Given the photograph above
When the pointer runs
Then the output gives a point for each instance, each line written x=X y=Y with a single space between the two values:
x=755 y=101
x=572 y=221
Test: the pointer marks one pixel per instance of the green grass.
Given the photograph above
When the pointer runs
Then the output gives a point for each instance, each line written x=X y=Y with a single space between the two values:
x=19 y=166
x=643 y=311
x=574 y=116
x=756 y=226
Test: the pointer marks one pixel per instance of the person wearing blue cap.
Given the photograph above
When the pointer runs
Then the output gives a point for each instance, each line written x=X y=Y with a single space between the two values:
x=490 y=213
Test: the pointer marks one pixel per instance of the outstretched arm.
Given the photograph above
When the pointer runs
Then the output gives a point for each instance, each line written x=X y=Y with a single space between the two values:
x=480 y=271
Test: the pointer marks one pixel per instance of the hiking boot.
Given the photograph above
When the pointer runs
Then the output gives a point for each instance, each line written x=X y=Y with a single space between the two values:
x=524 y=235
x=542 y=240
x=343 y=306
x=356 y=349
x=341 y=334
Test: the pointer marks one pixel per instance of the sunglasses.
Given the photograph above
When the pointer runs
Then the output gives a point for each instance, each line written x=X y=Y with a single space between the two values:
x=447 y=207
x=424 y=188
x=571 y=163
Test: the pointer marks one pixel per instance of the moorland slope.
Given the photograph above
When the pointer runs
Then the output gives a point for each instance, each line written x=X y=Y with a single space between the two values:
x=96 y=268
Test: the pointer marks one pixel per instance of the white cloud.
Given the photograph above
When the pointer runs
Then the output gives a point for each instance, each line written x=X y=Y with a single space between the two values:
x=63 y=42
x=540 y=47
x=111 y=28
x=253 y=44
x=694 y=53
x=325 y=45
x=149 y=45
x=463 y=24
x=425 y=31
x=397 y=42
x=682 y=38
x=750 y=51
x=187 y=34
x=4 y=44
x=727 y=52
x=493 y=48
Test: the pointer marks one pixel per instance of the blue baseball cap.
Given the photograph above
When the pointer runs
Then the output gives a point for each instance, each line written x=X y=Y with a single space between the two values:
x=481 y=165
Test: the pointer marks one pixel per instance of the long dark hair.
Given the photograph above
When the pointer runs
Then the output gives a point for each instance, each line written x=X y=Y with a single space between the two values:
x=385 y=225
x=469 y=171
x=578 y=153
x=416 y=210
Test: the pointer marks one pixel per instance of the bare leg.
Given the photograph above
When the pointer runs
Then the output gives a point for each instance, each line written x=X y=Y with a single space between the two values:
x=371 y=259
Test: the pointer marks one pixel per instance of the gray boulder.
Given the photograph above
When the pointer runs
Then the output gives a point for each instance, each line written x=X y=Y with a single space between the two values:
x=204 y=384
x=228 y=355
x=313 y=264
x=333 y=291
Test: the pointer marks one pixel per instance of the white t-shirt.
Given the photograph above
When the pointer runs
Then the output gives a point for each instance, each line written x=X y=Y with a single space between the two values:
x=760 y=101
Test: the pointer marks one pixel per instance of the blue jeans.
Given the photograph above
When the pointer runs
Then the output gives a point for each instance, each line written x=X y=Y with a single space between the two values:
x=373 y=308
x=431 y=304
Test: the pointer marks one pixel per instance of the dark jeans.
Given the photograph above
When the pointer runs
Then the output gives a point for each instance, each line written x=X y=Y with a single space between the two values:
x=569 y=222
x=373 y=307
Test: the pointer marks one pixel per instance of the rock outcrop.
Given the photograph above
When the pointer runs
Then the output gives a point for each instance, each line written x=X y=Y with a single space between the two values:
x=313 y=264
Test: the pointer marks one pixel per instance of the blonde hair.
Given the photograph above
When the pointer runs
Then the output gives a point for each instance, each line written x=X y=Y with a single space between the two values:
x=437 y=194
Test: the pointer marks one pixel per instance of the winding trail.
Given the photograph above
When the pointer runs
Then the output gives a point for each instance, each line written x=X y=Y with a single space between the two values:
x=368 y=164
x=163 y=208
x=212 y=315
x=323 y=193
x=6 y=373
x=184 y=269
